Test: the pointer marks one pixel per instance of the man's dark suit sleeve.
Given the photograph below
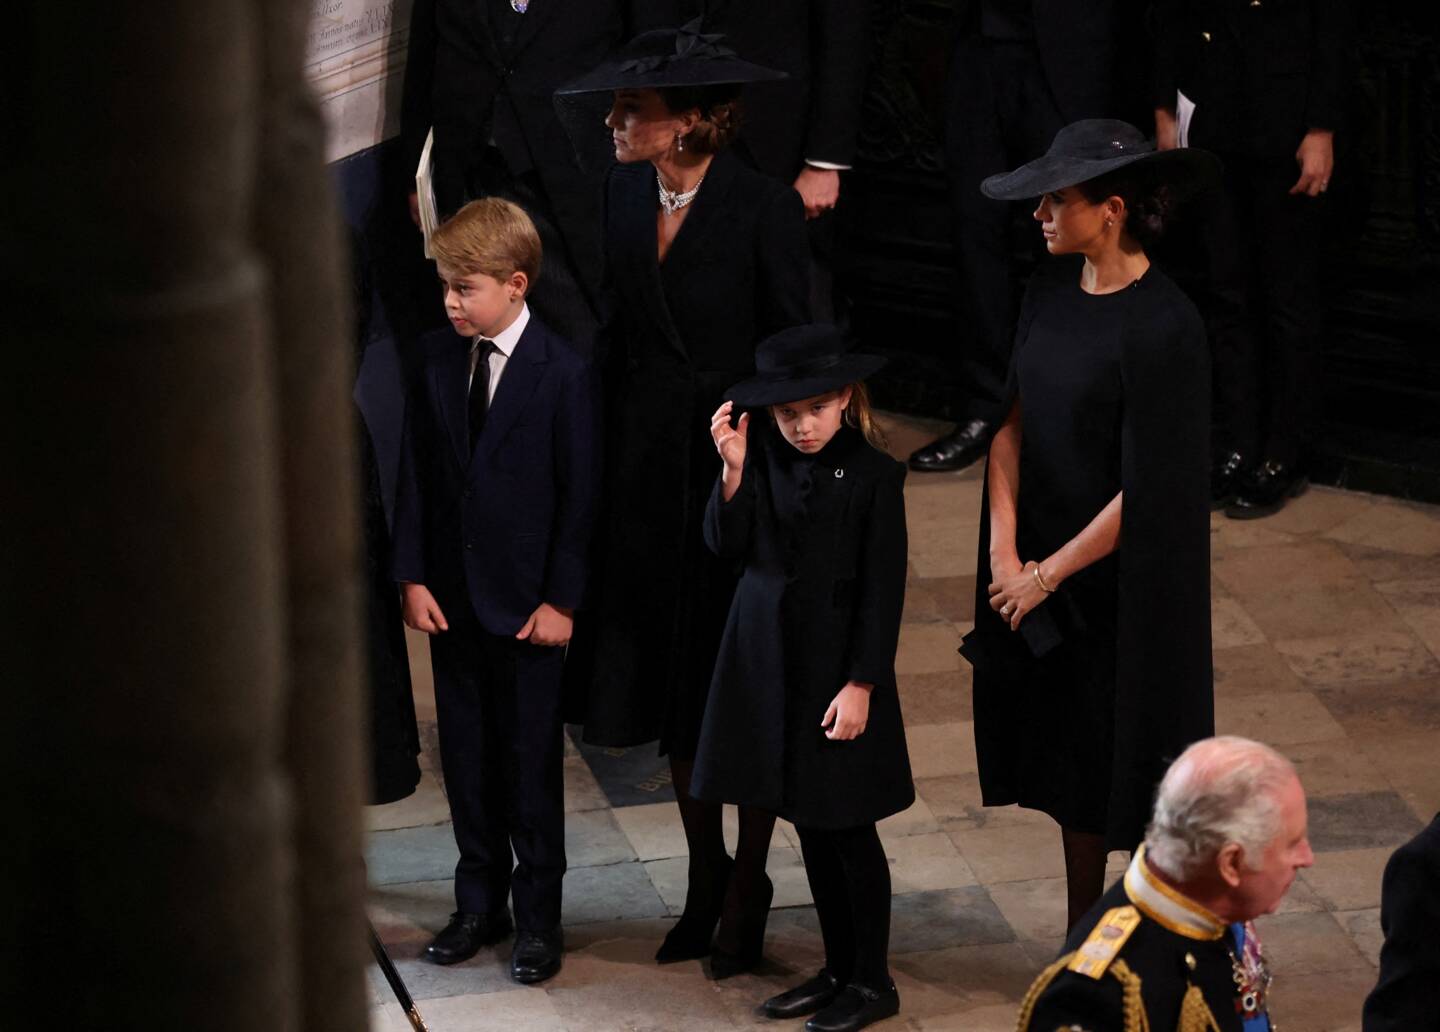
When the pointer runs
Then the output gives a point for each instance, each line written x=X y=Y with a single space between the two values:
x=840 y=56
x=416 y=96
x=577 y=472
x=1407 y=995
x=408 y=538
x=1330 y=35
x=1163 y=21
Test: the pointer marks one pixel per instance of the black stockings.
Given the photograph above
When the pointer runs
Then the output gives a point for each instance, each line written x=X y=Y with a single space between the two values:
x=850 y=880
x=1085 y=855
x=705 y=837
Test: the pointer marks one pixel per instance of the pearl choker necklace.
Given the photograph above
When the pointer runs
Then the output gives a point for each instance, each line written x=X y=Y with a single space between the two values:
x=671 y=200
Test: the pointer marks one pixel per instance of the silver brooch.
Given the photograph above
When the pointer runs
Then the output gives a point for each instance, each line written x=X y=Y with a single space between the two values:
x=839 y=473
x=519 y=6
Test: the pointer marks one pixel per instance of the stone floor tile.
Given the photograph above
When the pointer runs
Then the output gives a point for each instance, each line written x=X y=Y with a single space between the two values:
x=1408 y=761
x=1306 y=944
x=904 y=434
x=1253 y=669
x=1363 y=820
x=1395 y=526
x=949 y=557
x=1320 y=612
x=942 y=698
x=593 y=838
x=1418 y=603
x=1358 y=658
x=921 y=605
x=955 y=802
x=955 y=981
x=783 y=864
x=954 y=597
x=1319 y=509
x=1382 y=564
x=1384 y=709
x=1363 y=926
x=1230 y=625
x=422 y=681
x=927 y=648
x=1301 y=899
x=1230 y=535
x=1334 y=767
x=940 y=749
x=1279 y=718
x=654 y=831
x=426 y=805
x=406 y=916
x=487 y=972
x=1348 y=879
x=411 y=854
x=1036 y=909
x=922 y=863
x=916 y=819
x=582 y=791
x=610 y=893
x=1253 y=575
x=943 y=918
x=990 y=1017
x=1324 y=1002
x=1019 y=852
x=527 y=1008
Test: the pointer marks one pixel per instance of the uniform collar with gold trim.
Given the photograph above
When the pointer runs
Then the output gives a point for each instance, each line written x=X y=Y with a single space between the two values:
x=1167 y=907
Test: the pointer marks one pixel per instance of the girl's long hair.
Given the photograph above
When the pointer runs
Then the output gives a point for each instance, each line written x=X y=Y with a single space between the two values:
x=859 y=415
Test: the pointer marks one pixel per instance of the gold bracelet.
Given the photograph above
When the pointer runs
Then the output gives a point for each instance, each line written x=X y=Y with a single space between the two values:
x=1040 y=580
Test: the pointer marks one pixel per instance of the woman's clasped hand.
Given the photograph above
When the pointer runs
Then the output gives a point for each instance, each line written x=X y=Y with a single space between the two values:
x=1015 y=591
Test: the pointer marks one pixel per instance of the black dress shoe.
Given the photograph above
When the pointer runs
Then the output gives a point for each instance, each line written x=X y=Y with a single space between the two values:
x=956 y=450
x=690 y=937
x=465 y=934
x=749 y=934
x=805 y=998
x=537 y=955
x=855 y=1007
x=1226 y=476
x=1266 y=489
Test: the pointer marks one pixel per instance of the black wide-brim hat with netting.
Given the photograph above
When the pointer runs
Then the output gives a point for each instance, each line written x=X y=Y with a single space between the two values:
x=801 y=362
x=1093 y=147
x=670 y=57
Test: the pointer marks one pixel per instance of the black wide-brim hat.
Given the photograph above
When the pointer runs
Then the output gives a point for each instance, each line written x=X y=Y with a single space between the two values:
x=1092 y=147
x=801 y=362
x=670 y=57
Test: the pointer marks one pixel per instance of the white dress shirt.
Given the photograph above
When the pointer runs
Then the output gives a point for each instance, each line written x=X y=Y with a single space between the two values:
x=505 y=342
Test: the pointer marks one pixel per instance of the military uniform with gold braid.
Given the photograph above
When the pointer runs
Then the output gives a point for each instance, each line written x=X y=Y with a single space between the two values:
x=1145 y=959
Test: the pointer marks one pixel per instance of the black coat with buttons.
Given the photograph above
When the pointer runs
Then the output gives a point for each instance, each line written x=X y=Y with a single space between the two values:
x=821 y=541
x=1262 y=73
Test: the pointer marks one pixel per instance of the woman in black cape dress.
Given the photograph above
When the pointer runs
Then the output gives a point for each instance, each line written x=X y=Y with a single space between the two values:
x=1091 y=645
x=680 y=329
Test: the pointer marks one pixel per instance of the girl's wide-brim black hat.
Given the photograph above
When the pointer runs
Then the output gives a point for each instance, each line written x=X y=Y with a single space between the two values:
x=801 y=362
x=670 y=57
x=1095 y=146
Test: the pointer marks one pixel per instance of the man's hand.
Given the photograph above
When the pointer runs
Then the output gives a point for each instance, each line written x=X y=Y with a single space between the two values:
x=548 y=625
x=420 y=611
x=819 y=189
x=849 y=712
x=1167 y=129
x=415 y=208
x=1316 y=158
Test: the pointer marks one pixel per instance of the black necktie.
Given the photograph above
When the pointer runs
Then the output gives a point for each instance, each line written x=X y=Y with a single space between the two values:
x=479 y=402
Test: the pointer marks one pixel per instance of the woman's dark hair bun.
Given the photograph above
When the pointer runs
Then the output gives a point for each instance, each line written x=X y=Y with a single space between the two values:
x=1150 y=203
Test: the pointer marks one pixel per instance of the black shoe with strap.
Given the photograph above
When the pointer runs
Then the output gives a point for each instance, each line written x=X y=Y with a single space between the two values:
x=537 y=955
x=959 y=448
x=855 y=1007
x=806 y=998
x=1266 y=489
x=462 y=938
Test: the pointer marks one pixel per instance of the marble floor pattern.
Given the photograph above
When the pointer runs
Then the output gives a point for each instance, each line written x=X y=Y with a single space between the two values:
x=1327 y=645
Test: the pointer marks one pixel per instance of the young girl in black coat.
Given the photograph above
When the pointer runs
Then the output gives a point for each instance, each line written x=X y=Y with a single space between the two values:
x=803 y=717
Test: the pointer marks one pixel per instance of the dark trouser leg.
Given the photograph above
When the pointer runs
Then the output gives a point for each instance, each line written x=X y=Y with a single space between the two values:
x=1289 y=238
x=1229 y=306
x=527 y=705
x=471 y=747
x=826 y=876
x=1085 y=855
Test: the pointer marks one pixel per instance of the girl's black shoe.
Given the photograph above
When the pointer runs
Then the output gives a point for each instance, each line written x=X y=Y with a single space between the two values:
x=855 y=1007
x=806 y=998
x=749 y=934
x=691 y=936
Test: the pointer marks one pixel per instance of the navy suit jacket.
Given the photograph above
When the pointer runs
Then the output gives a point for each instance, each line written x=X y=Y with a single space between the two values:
x=506 y=528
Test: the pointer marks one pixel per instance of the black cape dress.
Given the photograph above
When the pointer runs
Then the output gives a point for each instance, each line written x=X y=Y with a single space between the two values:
x=822 y=541
x=1080 y=713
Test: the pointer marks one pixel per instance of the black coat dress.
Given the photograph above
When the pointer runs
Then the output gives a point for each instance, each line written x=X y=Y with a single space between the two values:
x=677 y=335
x=822 y=541
x=1082 y=711
x=1407 y=996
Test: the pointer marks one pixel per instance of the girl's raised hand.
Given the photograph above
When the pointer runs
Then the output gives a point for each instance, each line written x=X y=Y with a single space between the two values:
x=730 y=441
x=849 y=712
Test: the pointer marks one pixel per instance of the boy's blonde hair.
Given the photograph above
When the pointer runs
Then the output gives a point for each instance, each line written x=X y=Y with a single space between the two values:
x=491 y=236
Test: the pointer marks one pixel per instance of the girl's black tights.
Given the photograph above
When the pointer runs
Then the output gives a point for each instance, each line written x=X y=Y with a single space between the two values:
x=850 y=880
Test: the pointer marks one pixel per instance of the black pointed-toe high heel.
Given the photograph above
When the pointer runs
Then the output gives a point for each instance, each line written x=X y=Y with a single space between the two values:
x=691 y=937
x=749 y=935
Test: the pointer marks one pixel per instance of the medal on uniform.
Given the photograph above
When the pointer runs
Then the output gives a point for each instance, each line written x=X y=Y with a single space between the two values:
x=519 y=6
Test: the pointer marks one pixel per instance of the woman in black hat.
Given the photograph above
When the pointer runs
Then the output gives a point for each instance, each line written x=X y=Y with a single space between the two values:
x=704 y=257
x=1092 y=642
x=803 y=717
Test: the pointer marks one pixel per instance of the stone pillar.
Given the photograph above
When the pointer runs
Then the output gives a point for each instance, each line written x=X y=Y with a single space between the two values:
x=178 y=769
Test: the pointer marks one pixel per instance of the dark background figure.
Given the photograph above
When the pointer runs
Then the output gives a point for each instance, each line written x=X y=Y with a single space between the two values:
x=1019 y=71
x=482 y=73
x=801 y=130
x=1267 y=78
x=1407 y=995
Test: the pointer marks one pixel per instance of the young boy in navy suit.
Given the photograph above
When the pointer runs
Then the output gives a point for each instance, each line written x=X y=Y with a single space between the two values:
x=498 y=487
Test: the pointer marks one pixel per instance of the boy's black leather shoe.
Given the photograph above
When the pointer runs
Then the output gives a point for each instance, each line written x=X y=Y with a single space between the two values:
x=856 y=1007
x=537 y=955
x=1226 y=476
x=806 y=998
x=465 y=934
x=956 y=450
x=1266 y=489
